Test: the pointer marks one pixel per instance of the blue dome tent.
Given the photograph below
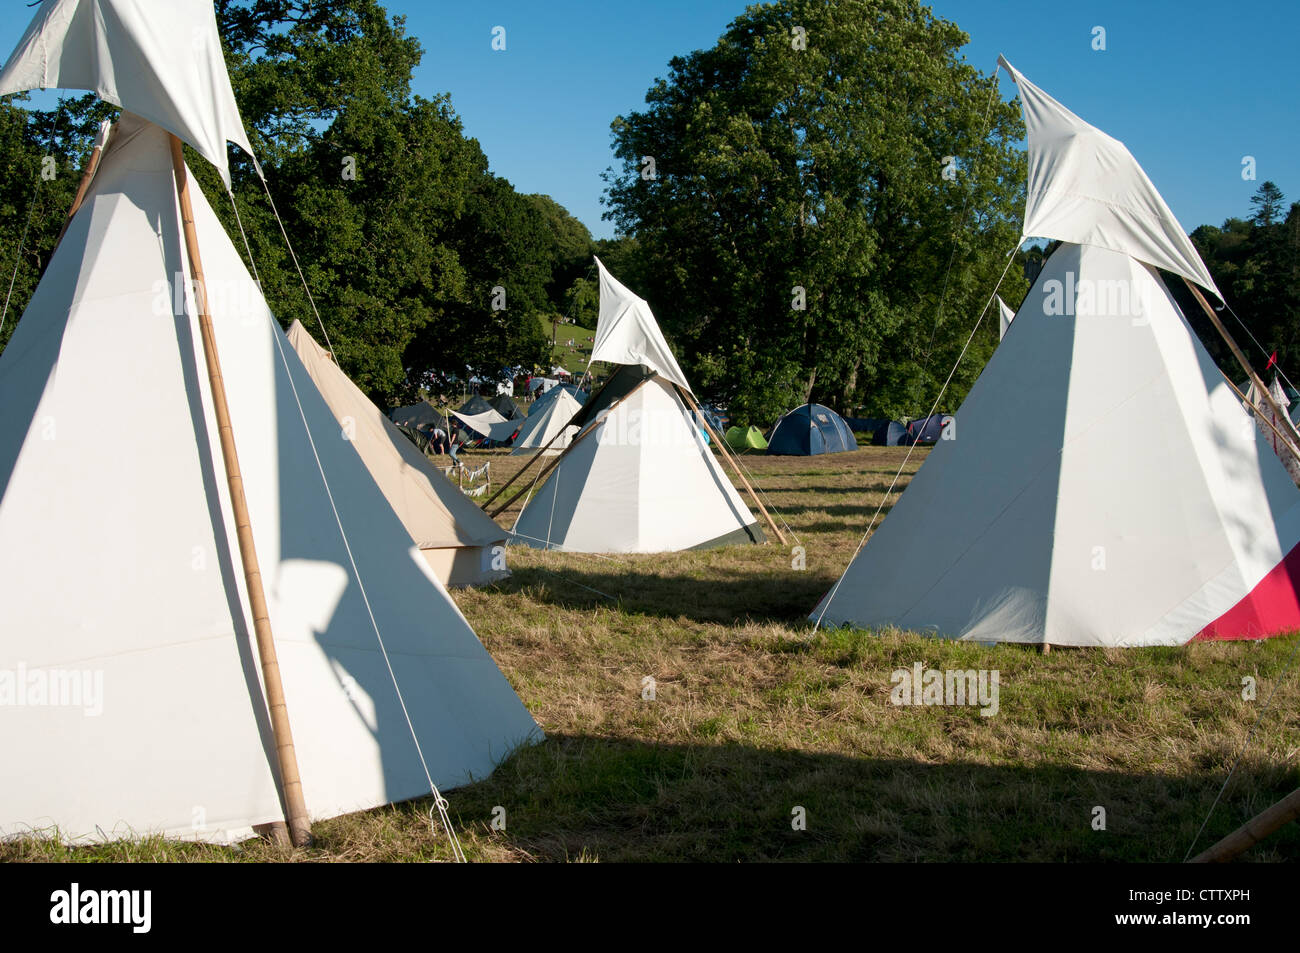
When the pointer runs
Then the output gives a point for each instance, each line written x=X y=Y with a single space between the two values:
x=811 y=429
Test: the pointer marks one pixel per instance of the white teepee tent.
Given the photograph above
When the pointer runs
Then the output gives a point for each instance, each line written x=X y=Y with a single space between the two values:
x=1106 y=487
x=637 y=476
x=460 y=543
x=136 y=703
x=547 y=427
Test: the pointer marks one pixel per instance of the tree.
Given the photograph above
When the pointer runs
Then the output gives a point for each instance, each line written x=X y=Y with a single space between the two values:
x=1256 y=264
x=1268 y=202
x=797 y=192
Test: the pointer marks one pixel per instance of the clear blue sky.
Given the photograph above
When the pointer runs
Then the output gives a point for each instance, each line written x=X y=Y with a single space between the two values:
x=1190 y=86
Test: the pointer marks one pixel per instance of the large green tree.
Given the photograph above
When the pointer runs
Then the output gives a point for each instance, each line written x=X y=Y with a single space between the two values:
x=839 y=157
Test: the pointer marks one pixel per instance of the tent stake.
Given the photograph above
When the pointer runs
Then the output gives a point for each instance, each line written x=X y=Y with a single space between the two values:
x=1241 y=358
x=296 y=807
x=1253 y=831
x=726 y=455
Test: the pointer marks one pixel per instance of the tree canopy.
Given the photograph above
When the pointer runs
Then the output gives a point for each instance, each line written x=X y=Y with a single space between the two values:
x=823 y=201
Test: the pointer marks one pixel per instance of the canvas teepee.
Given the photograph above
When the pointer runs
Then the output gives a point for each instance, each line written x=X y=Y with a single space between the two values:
x=547 y=428
x=139 y=698
x=637 y=475
x=459 y=542
x=1052 y=517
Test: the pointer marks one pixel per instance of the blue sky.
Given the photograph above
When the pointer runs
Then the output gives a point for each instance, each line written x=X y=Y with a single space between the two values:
x=1191 y=87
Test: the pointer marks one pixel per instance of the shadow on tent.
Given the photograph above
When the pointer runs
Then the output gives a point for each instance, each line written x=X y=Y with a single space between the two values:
x=623 y=799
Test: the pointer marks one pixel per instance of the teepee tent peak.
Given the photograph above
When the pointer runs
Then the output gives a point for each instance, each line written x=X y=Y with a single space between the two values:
x=161 y=61
x=1005 y=317
x=627 y=332
x=1086 y=188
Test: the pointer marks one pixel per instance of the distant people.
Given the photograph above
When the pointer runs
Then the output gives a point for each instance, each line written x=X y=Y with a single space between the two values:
x=440 y=442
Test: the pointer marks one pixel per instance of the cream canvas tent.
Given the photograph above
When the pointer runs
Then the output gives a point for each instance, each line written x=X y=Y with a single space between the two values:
x=1052 y=518
x=547 y=429
x=459 y=542
x=137 y=698
x=637 y=476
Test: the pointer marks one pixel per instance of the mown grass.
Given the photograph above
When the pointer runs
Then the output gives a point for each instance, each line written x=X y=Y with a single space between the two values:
x=756 y=714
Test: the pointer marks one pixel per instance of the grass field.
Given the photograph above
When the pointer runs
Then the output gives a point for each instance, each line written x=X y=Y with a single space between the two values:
x=572 y=359
x=756 y=714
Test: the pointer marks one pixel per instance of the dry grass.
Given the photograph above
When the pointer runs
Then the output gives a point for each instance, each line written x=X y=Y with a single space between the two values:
x=755 y=714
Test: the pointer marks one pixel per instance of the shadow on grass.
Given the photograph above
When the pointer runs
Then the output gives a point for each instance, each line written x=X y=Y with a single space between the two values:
x=718 y=596
x=617 y=799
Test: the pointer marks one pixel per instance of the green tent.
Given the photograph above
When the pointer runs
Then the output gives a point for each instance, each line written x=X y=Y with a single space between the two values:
x=742 y=438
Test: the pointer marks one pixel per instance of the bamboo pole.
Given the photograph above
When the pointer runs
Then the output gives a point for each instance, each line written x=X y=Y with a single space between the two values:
x=1253 y=831
x=1241 y=359
x=296 y=807
x=726 y=455
x=92 y=166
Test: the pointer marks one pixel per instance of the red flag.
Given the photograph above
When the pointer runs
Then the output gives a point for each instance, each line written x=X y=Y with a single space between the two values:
x=1272 y=359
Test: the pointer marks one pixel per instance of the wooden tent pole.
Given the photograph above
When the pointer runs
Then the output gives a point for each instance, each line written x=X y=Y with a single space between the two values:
x=726 y=455
x=1253 y=831
x=291 y=781
x=1241 y=358
x=524 y=468
x=92 y=166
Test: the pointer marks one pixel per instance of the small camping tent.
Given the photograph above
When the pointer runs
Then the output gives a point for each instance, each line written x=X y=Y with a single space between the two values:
x=476 y=405
x=929 y=429
x=637 y=477
x=507 y=407
x=421 y=416
x=811 y=429
x=890 y=433
x=746 y=438
x=548 y=428
x=460 y=543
